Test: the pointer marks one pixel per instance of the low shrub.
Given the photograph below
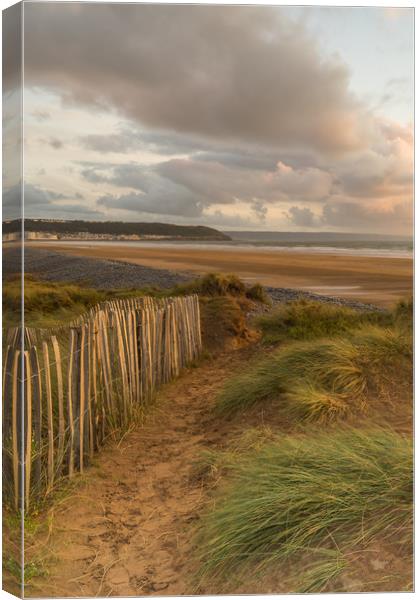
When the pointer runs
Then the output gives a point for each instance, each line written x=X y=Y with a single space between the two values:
x=219 y=284
x=303 y=496
x=257 y=293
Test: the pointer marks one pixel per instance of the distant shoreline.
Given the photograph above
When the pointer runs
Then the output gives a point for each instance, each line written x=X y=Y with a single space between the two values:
x=356 y=248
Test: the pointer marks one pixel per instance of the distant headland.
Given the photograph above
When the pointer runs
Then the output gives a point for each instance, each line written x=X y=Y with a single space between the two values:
x=110 y=230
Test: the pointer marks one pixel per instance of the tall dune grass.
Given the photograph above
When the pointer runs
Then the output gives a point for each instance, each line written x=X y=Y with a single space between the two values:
x=308 y=496
x=327 y=378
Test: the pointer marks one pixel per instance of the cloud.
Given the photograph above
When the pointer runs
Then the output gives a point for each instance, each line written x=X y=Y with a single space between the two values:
x=220 y=219
x=382 y=171
x=235 y=107
x=130 y=138
x=194 y=189
x=40 y=202
x=302 y=217
x=224 y=184
x=228 y=73
x=396 y=218
x=41 y=115
x=120 y=143
x=54 y=143
x=12 y=48
x=177 y=204
x=187 y=186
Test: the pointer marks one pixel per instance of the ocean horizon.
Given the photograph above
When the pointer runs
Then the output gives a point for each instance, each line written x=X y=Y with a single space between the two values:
x=378 y=248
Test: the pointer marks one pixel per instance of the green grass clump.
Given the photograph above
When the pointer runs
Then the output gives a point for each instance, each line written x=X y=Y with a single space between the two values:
x=325 y=379
x=299 y=497
x=219 y=284
x=213 y=284
x=303 y=320
x=47 y=303
x=404 y=313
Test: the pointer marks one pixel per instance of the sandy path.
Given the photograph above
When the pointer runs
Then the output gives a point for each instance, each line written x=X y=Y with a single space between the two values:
x=127 y=531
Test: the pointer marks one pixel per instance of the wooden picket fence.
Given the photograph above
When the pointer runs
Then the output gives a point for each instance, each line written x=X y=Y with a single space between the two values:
x=85 y=382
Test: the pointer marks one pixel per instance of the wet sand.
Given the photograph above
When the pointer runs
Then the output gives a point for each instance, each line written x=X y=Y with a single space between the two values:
x=379 y=280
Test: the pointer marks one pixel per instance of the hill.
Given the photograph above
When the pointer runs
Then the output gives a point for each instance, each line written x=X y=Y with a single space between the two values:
x=162 y=230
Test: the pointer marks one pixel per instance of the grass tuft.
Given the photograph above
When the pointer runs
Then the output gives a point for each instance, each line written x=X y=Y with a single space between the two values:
x=46 y=303
x=307 y=402
x=326 y=379
x=300 y=495
x=303 y=320
x=258 y=294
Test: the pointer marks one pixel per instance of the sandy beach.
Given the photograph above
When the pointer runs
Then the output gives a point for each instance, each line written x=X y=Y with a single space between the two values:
x=379 y=280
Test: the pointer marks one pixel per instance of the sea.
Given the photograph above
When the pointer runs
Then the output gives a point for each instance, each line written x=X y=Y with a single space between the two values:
x=337 y=244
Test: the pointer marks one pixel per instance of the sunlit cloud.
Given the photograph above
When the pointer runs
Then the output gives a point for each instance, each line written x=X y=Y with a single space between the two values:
x=238 y=117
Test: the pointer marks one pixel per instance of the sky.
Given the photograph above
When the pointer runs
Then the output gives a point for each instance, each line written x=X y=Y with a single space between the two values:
x=236 y=117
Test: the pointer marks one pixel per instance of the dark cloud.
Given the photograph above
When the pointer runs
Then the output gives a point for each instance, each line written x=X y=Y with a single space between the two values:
x=243 y=159
x=127 y=141
x=178 y=203
x=133 y=139
x=39 y=202
x=194 y=185
x=54 y=143
x=120 y=143
x=12 y=202
x=223 y=72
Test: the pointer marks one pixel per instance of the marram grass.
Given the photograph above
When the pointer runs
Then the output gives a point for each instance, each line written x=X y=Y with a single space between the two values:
x=307 y=402
x=325 y=378
x=307 y=496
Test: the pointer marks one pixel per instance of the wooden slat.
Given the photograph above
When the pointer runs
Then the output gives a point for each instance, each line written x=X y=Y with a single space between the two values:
x=82 y=396
x=15 y=426
x=8 y=359
x=70 y=392
x=36 y=417
x=60 y=403
x=28 y=428
x=50 y=421
x=89 y=396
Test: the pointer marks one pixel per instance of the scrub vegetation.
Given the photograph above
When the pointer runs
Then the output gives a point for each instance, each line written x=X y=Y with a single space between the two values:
x=316 y=501
x=305 y=473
